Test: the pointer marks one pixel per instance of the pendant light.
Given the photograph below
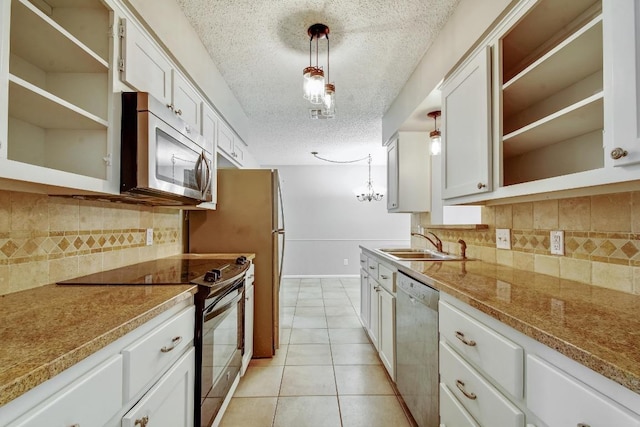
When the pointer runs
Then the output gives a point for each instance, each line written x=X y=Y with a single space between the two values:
x=316 y=90
x=436 y=140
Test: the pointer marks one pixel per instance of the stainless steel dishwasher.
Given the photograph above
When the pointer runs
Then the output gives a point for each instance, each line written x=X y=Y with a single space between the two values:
x=417 y=349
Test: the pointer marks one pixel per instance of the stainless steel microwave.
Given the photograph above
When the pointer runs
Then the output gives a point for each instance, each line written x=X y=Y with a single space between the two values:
x=164 y=161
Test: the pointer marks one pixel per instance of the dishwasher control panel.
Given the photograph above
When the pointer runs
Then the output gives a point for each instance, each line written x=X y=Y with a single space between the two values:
x=419 y=291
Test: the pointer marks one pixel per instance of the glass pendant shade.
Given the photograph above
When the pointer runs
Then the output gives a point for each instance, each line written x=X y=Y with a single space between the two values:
x=306 y=81
x=436 y=143
x=316 y=86
x=329 y=108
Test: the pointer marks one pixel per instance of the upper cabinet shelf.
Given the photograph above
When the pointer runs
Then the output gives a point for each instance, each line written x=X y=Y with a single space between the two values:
x=39 y=40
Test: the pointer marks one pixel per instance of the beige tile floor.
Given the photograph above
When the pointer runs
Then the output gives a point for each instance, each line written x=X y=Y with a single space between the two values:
x=326 y=372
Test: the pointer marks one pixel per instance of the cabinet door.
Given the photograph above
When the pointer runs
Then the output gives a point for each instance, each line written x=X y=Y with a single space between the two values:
x=145 y=66
x=169 y=403
x=388 y=331
x=225 y=138
x=91 y=400
x=392 y=175
x=622 y=49
x=365 y=299
x=466 y=129
x=248 y=327
x=186 y=101
x=374 y=312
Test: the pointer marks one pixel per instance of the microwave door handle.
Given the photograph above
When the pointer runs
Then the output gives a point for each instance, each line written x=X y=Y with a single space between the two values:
x=198 y=171
x=207 y=176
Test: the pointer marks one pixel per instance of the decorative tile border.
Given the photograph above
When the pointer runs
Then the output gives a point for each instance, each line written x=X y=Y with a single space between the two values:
x=22 y=247
x=612 y=248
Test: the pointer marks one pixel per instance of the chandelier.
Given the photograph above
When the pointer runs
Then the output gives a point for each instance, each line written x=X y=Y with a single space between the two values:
x=316 y=90
x=369 y=195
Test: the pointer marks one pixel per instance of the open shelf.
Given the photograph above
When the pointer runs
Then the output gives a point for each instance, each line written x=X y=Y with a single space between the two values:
x=547 y=24
x=577 y=119
x=571 y=61
x=33 y=105
x=41 y=41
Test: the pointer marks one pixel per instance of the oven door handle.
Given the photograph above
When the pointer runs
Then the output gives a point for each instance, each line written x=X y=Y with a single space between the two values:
x=235 y=287
x=214 y=311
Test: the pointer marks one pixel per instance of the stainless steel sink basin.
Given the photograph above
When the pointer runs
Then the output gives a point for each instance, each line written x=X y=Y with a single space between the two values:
x=412 y=254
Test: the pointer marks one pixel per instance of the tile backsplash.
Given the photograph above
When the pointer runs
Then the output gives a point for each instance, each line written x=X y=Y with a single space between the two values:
x=601 y=238
x=47 y=239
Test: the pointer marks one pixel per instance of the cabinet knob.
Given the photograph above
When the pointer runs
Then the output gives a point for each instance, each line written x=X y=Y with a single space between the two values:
x=170 y=107
x=481 y=186
x=178 y=112
x=470 y=396
x=618 y=153
x=142 y=422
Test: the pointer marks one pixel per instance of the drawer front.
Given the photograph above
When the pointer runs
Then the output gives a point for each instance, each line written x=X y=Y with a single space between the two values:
x=372 y=267
x=154 y=352
x=490 y=352
x=91 y=400
x=386 y=277
x=561 y=400
x=363 y=261
x=489 y=407
x=452 y=413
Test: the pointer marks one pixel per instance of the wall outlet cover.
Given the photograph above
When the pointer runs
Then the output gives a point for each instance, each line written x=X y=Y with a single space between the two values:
x=346 y=261
x=149 y=239
x=557 y=242
x=503 y=238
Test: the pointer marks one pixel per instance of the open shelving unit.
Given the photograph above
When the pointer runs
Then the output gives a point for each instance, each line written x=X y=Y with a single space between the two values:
x=58 y=86
x=552 y=91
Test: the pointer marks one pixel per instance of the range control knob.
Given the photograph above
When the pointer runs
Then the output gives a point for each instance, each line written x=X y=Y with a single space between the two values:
x=212 y=275
x=241 y=260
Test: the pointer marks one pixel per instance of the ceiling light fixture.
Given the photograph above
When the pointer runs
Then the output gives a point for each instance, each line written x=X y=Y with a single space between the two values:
x=316 y=89
x=436 y=140
x=369 y=195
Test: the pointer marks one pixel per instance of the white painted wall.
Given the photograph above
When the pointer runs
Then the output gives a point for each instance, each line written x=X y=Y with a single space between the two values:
x=325 y=224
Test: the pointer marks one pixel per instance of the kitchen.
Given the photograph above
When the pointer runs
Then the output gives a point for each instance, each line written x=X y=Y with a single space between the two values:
x=48 y=239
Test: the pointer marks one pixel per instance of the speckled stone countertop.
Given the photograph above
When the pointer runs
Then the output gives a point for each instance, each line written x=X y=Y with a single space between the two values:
x=46 y=330
x=597 y=327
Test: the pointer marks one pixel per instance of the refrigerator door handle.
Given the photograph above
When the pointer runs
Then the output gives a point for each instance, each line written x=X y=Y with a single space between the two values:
x=279 y=231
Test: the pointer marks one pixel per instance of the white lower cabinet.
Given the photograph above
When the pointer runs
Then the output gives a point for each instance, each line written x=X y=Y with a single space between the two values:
x=365 y=299
x=169 y=402
x=374 y=312
x=452 y=413
x=91 y=400
x=581 y=405
x=249 y=301
x=387 y=341
x=482 y=400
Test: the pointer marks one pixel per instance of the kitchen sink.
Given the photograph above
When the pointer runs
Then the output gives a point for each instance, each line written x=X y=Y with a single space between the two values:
x=412 y=254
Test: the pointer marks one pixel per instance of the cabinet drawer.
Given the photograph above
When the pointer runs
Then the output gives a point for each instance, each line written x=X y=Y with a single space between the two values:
x=154 y=352
x=386 y=277
x=489 y=351
x=363 y=261
x=91 y=400
x=561 y=400
x=372 y=267
x=452 y=413
x=483 y=401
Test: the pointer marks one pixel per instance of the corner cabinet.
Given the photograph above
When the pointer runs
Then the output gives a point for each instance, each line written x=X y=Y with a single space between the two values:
x=563 y=107
x=408 y=173
x=56 y=93
x=466 y=128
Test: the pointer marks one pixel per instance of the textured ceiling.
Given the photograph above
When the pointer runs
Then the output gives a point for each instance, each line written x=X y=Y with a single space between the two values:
x=261 y=48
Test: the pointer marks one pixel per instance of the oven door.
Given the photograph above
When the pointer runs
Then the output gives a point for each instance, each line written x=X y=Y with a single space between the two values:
x=176 y=163
x=222 y=344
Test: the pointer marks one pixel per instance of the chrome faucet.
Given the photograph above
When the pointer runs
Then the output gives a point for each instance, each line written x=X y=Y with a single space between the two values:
x=437 y=243
x=463 y=248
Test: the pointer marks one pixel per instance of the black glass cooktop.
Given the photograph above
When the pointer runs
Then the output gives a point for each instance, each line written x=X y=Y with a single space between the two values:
x=165 y=271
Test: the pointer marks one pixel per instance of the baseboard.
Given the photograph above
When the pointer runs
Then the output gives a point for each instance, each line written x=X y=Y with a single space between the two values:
x=321 y=276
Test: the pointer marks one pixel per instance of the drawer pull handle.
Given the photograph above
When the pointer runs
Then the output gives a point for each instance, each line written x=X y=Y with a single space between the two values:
x=142 y=422
x=371 y=267
x=583 y=425
x=471 y=396
x=174 y=343
x=460 y=336
x=75 y=425
x=384 y=277
x=362 y=261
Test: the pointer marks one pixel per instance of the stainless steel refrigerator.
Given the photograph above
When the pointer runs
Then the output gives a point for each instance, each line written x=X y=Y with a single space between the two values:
x=248 y=218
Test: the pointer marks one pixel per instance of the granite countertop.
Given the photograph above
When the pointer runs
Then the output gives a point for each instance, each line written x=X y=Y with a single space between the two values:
x=48 y=329
x=597 y=327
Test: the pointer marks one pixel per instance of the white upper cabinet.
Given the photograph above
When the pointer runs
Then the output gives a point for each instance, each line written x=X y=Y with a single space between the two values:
x=565 y=110
x=55 y=96
x=466 y=129
x=408 y=173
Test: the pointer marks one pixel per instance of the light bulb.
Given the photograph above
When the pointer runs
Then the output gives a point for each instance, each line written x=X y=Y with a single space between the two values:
x=436 y=143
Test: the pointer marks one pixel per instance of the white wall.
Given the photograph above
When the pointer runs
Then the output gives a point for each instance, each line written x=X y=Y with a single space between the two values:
x=325 y=224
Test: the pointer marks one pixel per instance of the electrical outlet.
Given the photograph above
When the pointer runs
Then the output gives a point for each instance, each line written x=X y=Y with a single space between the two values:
x=149 y=236
x=346 y=261
x=557 y=242
x=503 y=238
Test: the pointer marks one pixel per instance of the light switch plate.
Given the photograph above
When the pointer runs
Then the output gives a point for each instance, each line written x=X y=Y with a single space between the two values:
x=503 y=238
x=557 y=242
